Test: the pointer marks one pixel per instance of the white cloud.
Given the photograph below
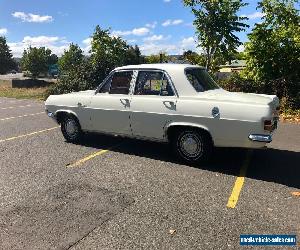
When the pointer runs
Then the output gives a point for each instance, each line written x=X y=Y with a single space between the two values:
x=151 y=25
x=3 y=31
x=154 y=38
x=87 y=45
x=254 y=15
x=136 y=32
x=56 y=44
x=32 y=18
x=241 y=48
x=140 y=31
x=40 y=40
x=167 y=1
x=170 y=22
x=157 y=46
x=153 y=48
x=87 y=41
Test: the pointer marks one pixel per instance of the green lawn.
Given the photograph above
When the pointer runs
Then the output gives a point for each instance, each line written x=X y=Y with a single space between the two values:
x=23 y=93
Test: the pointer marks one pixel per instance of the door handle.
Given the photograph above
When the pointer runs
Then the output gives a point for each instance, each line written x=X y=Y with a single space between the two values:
x=125 y=102
x=170 y=104
x=79 y=104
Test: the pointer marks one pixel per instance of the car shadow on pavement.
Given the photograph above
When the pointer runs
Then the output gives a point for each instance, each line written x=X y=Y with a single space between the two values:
x=271 y=165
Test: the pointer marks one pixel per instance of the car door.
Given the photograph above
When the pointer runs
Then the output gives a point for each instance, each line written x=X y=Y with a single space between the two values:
x=153 y=104
x=111 y=104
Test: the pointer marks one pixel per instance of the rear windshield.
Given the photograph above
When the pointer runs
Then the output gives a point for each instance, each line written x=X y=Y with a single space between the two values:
x=200 y=79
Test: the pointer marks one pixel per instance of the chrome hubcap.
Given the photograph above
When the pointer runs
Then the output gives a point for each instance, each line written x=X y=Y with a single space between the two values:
x=190 y=145
x=71 y=127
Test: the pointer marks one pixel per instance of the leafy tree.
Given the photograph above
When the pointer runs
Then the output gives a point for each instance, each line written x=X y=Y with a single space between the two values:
x=134 y=56
x=194 y=58
x=107 y=53
x=273 y=50
x=53 y=59
x=6 y=61
x=216 y=22
x=71 y=58
x=36 y=60
x=162 y=57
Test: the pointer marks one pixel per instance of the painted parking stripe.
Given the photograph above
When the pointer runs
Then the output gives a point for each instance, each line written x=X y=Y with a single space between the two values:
x=237 y=188
x=87 y=158
x=22 y=106
x=26 y=135
x=20 y=116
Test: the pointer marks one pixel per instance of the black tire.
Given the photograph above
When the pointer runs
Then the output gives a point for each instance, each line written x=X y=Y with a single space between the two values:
x=192 y=145
x=71 y=129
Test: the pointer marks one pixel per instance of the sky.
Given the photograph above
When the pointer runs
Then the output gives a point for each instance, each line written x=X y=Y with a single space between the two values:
x=154 y=25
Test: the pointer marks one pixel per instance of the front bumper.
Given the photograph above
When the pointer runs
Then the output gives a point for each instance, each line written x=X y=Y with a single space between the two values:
x=260 y=138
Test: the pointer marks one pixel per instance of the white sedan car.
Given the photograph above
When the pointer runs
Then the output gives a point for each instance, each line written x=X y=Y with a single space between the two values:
x=176 y=103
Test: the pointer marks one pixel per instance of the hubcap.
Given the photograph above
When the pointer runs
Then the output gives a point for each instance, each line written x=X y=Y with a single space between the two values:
x=71 y=127
x=190 y=145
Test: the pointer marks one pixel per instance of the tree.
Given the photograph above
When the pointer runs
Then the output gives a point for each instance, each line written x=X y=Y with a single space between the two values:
x=6 y=61
x=194 y=58
x=107 y=52
x=133 y=56
x=273 y=50
x=36 y=60
x=162 y=57
x=216 y=23
x=71 y=58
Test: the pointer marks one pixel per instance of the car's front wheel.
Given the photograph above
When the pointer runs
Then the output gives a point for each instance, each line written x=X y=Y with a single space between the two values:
x=71 y=129
x=192 y=145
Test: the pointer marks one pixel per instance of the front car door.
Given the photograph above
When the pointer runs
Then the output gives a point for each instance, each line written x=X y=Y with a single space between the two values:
x=111 y=104
x=153 y=104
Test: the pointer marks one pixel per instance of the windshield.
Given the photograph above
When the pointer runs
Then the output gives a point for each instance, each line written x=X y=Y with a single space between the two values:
x=200 y=79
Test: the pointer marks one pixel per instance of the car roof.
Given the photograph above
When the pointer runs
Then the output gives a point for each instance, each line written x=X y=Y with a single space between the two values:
x=176 y=73
x=161 y=66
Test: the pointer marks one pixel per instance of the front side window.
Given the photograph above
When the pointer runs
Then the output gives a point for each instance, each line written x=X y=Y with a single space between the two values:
x=120 y=83
x=200 y=79
x=153 y=83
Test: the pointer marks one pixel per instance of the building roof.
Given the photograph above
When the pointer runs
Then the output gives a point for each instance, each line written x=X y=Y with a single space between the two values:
x=234 y=64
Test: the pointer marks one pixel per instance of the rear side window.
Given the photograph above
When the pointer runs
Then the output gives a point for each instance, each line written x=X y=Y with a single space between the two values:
x=200 y=79
x=153 y=83
x=120 y=82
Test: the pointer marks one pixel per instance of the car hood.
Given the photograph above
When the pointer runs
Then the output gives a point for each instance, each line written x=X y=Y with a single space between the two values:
x=239 y=97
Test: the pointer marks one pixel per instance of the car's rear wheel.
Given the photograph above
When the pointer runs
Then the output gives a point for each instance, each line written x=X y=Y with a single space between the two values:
x=71 y=129
x=192 y=145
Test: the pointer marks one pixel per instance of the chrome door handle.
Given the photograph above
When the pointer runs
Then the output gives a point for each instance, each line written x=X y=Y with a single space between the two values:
x=170 y=104
x=125 y=102
x=79 y=104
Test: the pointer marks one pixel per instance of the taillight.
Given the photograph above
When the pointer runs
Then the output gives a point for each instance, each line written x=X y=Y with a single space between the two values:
x=268 y=125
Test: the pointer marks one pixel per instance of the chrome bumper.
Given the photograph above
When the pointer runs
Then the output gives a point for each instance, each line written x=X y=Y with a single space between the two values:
x=260 y=138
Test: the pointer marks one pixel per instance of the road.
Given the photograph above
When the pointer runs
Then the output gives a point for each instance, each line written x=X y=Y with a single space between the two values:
x=114 y=193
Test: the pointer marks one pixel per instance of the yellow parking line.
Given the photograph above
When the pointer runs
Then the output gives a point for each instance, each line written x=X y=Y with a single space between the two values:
x=234 y=197
x=20 y=116
x=23 y=106
x=83 y=160
x=30 y=134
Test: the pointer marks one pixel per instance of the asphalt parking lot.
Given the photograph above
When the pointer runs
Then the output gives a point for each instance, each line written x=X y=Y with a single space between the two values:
x=114 y=193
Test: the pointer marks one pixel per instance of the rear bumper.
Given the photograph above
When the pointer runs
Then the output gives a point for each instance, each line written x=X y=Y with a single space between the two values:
x=260 y=138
